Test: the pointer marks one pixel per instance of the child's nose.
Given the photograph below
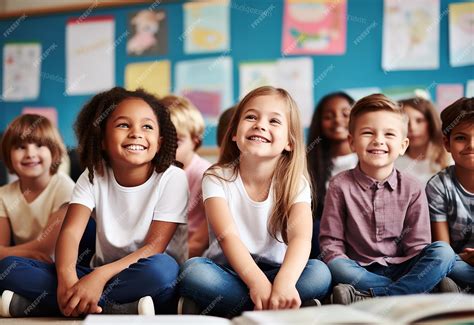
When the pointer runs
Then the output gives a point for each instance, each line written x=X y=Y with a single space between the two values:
x=135 y=133
x=31 y=150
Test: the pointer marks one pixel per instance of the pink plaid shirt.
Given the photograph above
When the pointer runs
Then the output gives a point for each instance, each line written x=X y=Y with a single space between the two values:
x=370 y=221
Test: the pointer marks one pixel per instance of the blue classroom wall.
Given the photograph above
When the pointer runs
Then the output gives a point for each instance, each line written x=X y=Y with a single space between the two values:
x=360 y=66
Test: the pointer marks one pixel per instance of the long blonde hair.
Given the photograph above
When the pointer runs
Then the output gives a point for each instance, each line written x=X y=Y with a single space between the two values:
x=290 y=168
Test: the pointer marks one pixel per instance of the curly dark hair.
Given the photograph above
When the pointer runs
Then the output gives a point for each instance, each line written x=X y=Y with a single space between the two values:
x=90 y=130
x=319 y=157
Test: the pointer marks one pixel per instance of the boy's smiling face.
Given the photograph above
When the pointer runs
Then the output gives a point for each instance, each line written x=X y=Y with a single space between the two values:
x=378 y=139
x=461 y=145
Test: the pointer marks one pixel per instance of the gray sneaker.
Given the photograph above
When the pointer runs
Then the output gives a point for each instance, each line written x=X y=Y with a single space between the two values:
x=14 y=305
x=143 y=306
x=448 y=285
x=187 y=306
x=311 y=303
x=346 y=294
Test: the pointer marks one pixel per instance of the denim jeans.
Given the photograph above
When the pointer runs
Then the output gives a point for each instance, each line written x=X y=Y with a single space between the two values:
x=463 y=274
x=154 y=276
x=219 y=291
x=419 y=274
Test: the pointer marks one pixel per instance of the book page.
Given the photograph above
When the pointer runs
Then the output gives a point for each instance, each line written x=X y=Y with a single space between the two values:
x=158 y=319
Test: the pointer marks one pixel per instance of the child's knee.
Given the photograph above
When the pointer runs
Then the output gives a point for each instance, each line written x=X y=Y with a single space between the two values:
x=442 y=250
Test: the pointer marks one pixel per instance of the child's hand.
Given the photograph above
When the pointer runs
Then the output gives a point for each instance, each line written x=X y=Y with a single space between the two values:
x=85 y=295
x=467 y=256
x=64 y=293
x=260 y=294
x=284 y=296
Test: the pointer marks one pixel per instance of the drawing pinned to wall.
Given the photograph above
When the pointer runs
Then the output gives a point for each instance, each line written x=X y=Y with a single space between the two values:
x=21 y=71
x=446 y=94
x=404 y=92
x=148 y=33
x=256 y=74
x=153 y=77
x=410 y=35
x=461 y=31
x=470 y=88
x=207 y=83
x=90 y=55
x=206 y=27
x=49 y=112
x=314 y=27
x=358 y=93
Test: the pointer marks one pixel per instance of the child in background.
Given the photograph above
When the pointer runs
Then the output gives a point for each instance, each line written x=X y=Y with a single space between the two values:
x=329 y=152
x=425 y=155
x=258 y=203
x=33 y=207
x=127 y=142
x=375 y=231
x=451 y=191
x=189 y=124
x=223 y=124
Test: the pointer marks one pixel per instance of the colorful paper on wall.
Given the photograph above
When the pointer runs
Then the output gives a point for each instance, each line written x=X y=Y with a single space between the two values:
x=358 y=93
x=149 y=33
x=404 y=92
x=410 y=35
x=154 y=77
x=470 y=88
x=314 y=27
x=446 y=94
x=207 y=83
x=90 y=55
x=49 y=112
x=21 y=71
x=461 y=34
x=256 y=74
x=206 y=27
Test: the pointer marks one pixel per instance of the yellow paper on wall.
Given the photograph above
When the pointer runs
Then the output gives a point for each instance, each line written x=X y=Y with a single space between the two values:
x=153 y=77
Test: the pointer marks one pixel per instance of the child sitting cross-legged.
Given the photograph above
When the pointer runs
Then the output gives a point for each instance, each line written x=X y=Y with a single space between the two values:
x=375 y=230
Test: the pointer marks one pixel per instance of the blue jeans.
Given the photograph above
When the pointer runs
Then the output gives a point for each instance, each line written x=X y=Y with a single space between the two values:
x=419 y=274
x=154 y=276
x=219 y=291
x=463 y=274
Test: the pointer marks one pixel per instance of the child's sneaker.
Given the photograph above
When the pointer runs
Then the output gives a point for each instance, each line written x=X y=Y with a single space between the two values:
x=187 y=306
x=311 y=303
x=346 y=294
x=144 y=306
x=448 y=285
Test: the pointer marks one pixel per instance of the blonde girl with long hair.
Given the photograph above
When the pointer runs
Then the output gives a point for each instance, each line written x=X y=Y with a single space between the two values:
x=257 y=199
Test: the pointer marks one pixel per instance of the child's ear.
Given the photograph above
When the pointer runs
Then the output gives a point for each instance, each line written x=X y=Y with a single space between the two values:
x=405 y=143
x=289 y=147
x=446 y=143
x=197 y=141
x=350 y=138
x=234 y=138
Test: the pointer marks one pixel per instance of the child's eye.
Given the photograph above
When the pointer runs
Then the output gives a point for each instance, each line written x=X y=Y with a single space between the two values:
x=367 y=133
x=250 y=117
x=459 y=138
x=122 y=125
x=148 y=126
x=275 y=121
x=390 y=134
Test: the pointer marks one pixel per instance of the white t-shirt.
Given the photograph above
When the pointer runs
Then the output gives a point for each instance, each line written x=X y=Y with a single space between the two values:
x=342 y=163
x=124 y=214
x=250 y=218
x=28 y=220
x=421 y=169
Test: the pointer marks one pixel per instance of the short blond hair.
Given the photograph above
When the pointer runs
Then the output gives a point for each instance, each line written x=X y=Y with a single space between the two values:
x=185 y=117
x=377 y=103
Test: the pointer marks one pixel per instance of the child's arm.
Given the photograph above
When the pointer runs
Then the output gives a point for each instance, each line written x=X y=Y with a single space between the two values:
x=42 y=247
x=84 y=296
x=440 y=231
x=284 y=293
x=5 y=234
x=199 y=241
x=237 y=254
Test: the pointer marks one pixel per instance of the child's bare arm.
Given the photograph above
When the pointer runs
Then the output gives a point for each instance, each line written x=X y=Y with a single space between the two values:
x=236 y=253
x=42 y=247
x=5 y=232
x=284 y=293
x=440 y=231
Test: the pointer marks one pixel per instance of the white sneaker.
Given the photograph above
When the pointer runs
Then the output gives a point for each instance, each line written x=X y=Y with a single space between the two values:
x=146 y=306
x=7 y=297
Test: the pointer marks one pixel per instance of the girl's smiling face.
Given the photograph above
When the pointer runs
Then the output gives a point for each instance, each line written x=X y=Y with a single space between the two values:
x=335 y=119
x=132 y=135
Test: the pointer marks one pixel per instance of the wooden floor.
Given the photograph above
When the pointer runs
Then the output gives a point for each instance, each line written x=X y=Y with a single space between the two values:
x=40 y=320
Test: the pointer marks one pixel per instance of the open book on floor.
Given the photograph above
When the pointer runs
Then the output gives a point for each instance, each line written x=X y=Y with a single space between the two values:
x=391 y=310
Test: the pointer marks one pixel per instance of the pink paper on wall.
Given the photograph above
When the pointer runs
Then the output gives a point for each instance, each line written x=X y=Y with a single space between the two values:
x=48 y=112
x=446 y=94
x=208 y=102
x=314 y=27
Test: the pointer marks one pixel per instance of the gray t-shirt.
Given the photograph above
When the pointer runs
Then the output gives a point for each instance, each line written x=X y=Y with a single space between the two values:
x=449 y=201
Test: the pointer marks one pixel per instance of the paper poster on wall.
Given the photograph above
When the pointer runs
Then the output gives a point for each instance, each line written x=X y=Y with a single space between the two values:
x=314 y=27
x=410 y=35
x=148 y=33
x=90 y=55
x=207 y=83
x=446 y=94
x=358 y=93
x=154 y=77
x=49 y=112
x=256 y=74
x=405 y=92
x=461 y=34
x=21 y=71
x=470 y=88
x=295 y=75
x=206 y=27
